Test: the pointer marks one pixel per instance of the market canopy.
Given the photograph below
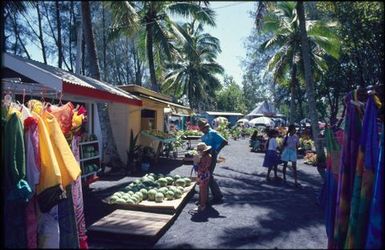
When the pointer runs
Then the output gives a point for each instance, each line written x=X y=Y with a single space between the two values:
x=55 y=79
x=264 y=108
x=266 y=121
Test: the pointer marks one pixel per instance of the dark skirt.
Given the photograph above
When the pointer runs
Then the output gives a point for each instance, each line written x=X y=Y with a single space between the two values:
x=271 y=159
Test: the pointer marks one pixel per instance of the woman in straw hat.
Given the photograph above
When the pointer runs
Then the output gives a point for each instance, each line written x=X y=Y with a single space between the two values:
x=203 y=162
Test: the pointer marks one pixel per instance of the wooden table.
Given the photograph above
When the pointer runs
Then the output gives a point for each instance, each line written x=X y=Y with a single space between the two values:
x=122 y=225
x=166 y=207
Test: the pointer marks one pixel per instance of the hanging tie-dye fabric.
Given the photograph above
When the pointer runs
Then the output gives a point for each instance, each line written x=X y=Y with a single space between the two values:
x=375 y=234
x=331 y=185
x=362 y=191
x=352 y=132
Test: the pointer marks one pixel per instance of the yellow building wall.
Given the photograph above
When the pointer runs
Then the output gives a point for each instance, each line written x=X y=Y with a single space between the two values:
x=125 y=117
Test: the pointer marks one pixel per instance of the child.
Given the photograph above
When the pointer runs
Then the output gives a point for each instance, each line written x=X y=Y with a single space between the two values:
x=289 y=153
x=271 y=157
x=203 y=162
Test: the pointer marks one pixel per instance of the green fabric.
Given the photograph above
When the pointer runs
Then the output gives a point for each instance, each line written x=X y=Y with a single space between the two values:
x=14 y=149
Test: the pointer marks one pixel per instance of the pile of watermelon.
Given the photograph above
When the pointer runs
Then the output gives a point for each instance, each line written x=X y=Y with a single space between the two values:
x=152 y=187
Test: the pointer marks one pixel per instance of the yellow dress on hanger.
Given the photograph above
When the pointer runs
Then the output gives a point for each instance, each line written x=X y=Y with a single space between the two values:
x=69 y=167
x=50 y=174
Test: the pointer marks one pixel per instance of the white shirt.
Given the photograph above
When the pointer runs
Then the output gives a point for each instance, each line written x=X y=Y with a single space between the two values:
x=272 y=144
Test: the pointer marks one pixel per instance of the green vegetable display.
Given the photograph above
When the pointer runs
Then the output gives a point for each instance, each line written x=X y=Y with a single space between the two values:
x=151 y=187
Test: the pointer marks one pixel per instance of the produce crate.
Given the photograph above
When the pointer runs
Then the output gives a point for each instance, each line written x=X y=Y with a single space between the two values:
x=165 y=207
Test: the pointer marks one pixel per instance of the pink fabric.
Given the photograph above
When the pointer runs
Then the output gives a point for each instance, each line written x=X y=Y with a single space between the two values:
x=63 y=115
x=77 y=197
x=33 y=176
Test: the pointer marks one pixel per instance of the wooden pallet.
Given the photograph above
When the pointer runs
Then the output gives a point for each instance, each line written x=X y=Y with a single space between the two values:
x=165 y=207
x=130 y=225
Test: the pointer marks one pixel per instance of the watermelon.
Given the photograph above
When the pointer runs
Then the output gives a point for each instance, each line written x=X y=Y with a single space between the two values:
x=170 y=195
x=163 y=190
x=113 y=199
x=188 y=181
x=129 y=201
x=131 y=193
x=180 y=182
x=181 y=189
x=137 y=181
x=176 y=177
x=170 y=180
x=144 y=193
x=162 y=182
x=151 y=194
x=159 y=197
x=120 y=201
x=135 y=199
x=140 y=195
x=177 y=194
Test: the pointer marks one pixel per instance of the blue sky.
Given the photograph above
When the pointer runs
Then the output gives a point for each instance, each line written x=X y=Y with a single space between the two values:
x=234 y=24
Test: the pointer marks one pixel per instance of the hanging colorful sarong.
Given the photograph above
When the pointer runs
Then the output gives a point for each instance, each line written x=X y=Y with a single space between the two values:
x=331 y=184
x=77 y=196
x=375 y=234
x=352 y=132
x=362 y=192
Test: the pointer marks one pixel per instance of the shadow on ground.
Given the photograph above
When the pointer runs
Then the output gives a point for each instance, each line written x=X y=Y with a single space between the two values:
x=278 y=198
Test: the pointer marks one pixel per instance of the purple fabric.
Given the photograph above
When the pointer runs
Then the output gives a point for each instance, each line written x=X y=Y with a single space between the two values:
x=352 y=132
x=33 y=176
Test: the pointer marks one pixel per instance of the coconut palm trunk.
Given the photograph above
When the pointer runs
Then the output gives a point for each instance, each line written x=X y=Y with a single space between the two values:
x=292 y=93
x=309 y=83
x=109 y=146
x=150 y=56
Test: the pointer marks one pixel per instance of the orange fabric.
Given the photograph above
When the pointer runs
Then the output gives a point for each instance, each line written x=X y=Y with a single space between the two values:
x=69 y=167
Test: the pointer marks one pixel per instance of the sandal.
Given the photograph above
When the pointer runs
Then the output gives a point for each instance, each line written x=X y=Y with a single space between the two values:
x=199 y=208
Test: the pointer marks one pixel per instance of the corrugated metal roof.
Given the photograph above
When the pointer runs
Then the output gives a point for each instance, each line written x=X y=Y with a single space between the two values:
x=75 y=79
x=223 y=113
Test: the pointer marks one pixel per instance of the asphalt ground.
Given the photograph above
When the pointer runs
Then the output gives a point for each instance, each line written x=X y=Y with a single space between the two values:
x=255 y=214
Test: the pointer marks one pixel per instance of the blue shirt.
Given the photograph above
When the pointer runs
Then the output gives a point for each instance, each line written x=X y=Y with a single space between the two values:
x=213 y=139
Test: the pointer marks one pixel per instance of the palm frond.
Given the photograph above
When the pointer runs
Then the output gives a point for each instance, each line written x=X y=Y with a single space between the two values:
x=191 y=9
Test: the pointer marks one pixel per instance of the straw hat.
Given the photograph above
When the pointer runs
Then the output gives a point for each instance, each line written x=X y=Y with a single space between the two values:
x=203 y=147
x=202 y=124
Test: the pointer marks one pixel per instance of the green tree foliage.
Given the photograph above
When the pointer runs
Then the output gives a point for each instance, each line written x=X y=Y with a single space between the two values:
x=230 y=98
x=286 y=64
x=156 y=29
x=193 y=74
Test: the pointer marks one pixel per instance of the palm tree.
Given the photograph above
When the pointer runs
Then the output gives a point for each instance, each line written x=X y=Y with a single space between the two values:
x=306 y=52
x=156 y=28
x=283 y=23
x=193 y=74
x=109 y=145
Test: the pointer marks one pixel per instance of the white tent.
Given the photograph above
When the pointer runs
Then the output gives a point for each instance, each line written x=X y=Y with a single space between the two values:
x=264 y=108
x=262 y=121
x=243 y=120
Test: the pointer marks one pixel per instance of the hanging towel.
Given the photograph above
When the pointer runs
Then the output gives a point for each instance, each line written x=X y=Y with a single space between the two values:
x=352 y=132
x=376 y=218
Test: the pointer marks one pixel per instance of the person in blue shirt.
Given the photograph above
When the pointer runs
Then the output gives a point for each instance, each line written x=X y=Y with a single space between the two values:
x=212 y=138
